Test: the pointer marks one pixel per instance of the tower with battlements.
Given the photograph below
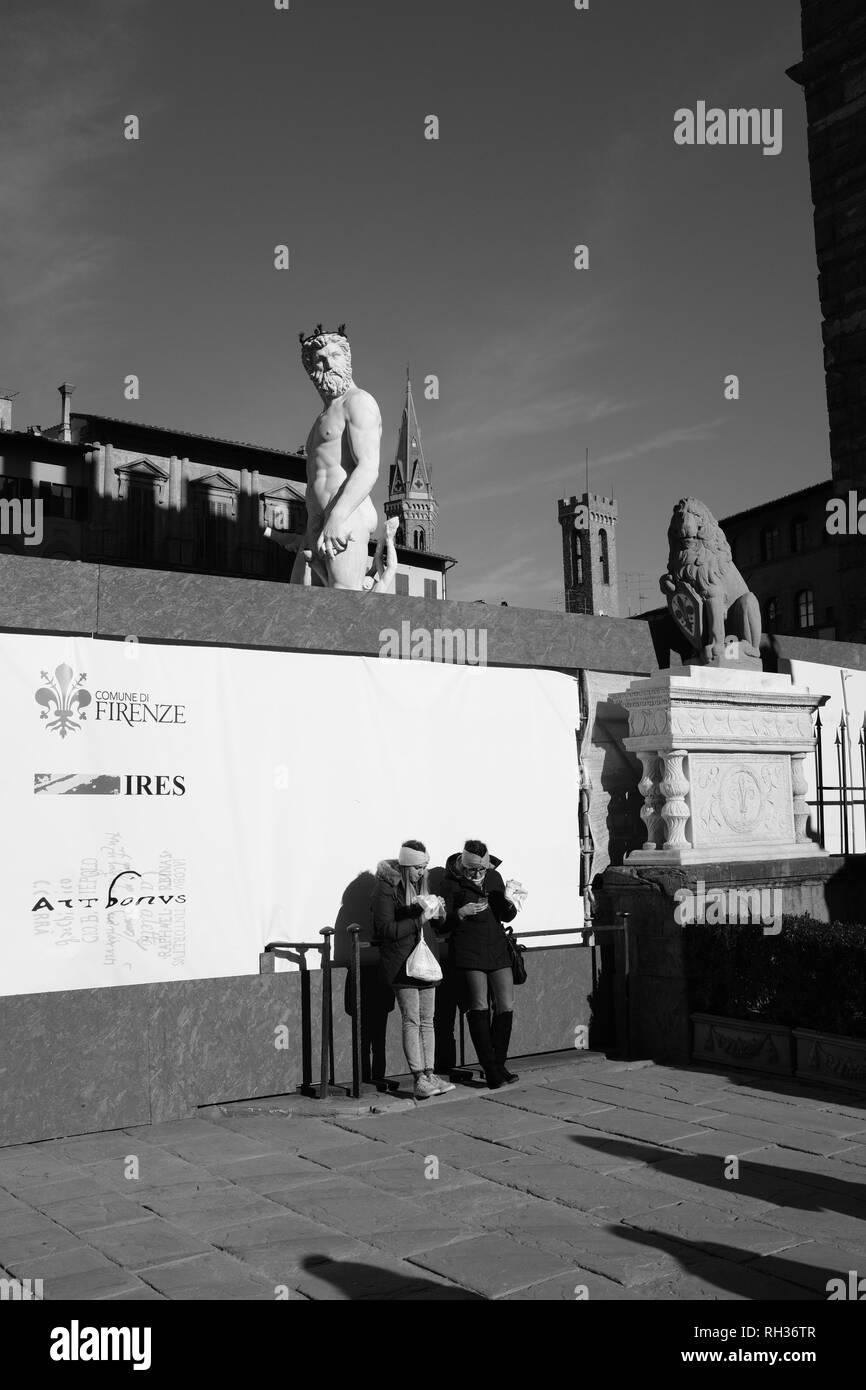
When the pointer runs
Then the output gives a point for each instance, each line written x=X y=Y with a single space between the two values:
x=589 y=554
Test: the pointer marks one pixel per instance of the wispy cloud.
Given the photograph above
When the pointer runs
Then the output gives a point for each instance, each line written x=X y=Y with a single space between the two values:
x=668 y=439
x=529 y=392
x=519 y=576
x=62 y=76
x=533 y=417
x=495 y=486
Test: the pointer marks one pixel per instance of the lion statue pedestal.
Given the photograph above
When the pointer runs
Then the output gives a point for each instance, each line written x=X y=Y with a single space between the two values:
x=724 y=765
x=723 y=746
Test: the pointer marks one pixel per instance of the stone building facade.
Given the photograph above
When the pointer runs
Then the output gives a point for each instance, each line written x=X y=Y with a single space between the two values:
x=832 y=74
x=809 y=578
x=132 y=494
x=791 y=562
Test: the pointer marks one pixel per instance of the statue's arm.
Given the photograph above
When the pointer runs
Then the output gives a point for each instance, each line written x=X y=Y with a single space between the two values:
x=287 y=539
x=364 y=428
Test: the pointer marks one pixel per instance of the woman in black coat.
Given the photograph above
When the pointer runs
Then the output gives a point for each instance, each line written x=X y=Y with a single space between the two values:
x=476 y=907
x=400 y=921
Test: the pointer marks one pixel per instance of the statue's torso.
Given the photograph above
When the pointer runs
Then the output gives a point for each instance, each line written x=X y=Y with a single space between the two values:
x=329 y=456
x=330 y=461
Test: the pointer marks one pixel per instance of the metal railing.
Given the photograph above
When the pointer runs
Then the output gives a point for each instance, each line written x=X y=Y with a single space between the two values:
x=840 y=806
x=326 y=1085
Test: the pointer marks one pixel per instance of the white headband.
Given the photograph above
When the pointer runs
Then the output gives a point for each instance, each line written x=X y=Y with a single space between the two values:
x=475 y=861
x=413 y=858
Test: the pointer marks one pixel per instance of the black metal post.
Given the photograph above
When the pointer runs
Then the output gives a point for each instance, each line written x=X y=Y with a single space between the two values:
x=847 y=782
x=355 y=1000
x=841 y=740
x=623 y=918
x=819 y=779
x=325 y=1075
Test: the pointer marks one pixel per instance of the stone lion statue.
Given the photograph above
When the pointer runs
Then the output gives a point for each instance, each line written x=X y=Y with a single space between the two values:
x=700 y=563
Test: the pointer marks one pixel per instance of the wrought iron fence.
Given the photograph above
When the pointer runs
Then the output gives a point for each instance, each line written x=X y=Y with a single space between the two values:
x=840 y=806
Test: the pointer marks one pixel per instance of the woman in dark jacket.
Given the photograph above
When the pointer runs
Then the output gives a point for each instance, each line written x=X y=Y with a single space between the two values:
x=476 y=906
x=404 y=910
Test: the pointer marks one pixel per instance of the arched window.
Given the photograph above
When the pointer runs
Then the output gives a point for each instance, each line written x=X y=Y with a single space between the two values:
x=400 y=538
x=418 y=540
x=770 y=543
x=805 y=608
x=576 y=558
x=771 y=613
x=798 y=535
x=604 y=557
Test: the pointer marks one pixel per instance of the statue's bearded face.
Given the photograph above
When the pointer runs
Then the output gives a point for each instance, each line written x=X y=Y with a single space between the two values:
x=328 y=363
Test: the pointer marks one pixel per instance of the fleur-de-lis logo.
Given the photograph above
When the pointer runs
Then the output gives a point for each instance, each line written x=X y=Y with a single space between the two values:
x=740 y=800
x=64 y=698
x=684 y=611
x=743 y=791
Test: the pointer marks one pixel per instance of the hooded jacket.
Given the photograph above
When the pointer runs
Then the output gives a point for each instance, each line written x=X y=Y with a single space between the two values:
x=397 y=927
x=476 y=943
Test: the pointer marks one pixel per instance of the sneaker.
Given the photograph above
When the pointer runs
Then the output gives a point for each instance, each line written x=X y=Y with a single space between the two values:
x=440 y=1083
x=424 y=1087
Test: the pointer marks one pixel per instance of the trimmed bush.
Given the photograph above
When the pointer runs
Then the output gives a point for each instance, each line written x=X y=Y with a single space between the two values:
x=812 y=975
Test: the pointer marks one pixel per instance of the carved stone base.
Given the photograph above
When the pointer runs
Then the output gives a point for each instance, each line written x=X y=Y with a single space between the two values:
x=831 y=1061
x=739 y=854
x=729 y=784
x=729 y=1042
x=825 y=888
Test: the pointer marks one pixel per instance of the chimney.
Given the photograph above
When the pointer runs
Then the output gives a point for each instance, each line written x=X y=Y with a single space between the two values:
x=66 y=418
x=6 y=399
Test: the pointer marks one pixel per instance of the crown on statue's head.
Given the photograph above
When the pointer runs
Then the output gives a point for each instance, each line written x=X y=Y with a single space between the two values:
x=320 y=332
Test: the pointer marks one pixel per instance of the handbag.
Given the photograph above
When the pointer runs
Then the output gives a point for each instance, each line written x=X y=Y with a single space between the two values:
x=515 y=951
x=423 y=965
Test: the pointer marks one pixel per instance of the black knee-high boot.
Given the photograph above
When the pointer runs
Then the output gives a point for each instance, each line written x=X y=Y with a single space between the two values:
x=479 y=1031
x=501 y=1035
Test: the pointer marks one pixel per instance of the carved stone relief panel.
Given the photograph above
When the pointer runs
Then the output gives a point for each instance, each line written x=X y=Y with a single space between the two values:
x=738 y=799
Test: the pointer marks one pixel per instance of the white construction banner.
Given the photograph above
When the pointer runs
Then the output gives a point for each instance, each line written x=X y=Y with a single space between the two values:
x=167 y=811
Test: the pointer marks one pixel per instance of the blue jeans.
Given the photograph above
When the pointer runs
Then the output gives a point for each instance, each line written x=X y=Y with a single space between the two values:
x=417 y=1007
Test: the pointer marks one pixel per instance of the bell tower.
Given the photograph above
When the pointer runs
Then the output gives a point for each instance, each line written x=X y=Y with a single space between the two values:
x=410 y=486
x=589 y=554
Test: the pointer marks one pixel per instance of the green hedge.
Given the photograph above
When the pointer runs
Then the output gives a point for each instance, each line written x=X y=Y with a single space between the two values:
x=812 y=975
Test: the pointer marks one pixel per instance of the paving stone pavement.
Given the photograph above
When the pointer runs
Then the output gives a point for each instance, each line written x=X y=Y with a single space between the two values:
x=588 y=1178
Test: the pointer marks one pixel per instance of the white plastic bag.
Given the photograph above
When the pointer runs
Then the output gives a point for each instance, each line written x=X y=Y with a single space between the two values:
x=422 y=964
x=434 y=907
x=516 y=893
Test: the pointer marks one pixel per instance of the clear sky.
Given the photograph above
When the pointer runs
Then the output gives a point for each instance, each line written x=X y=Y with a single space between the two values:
x=306 y=127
